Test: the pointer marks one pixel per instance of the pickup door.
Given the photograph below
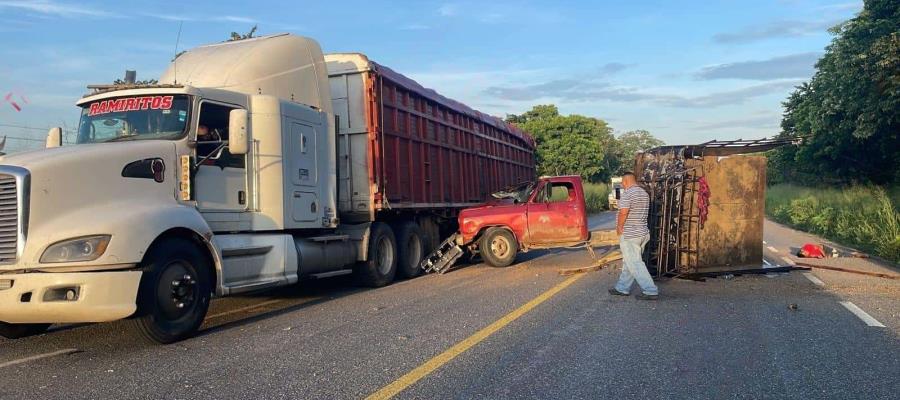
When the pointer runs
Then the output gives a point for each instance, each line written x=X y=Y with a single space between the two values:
x=556 y=214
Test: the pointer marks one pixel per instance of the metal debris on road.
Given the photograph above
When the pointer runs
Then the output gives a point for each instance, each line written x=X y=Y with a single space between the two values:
x=613 y=255
x=852 y=271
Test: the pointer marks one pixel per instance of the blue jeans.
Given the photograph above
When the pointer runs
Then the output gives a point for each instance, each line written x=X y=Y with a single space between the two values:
x=633 y=267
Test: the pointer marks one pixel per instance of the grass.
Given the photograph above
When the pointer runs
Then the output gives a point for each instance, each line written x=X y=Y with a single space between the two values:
x=596 y=197
x=865 y=217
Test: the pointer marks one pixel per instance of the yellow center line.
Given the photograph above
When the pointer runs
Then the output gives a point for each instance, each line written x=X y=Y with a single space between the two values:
x=433 y=364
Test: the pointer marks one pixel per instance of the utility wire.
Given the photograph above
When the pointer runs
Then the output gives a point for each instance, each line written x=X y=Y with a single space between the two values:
x=33 y=128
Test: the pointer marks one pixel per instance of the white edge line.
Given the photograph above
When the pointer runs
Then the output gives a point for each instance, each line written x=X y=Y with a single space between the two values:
x=814 y=279
x=864 y=316
x=38 y=357
x=788 y=260
x=766 y=262
x=242 y=309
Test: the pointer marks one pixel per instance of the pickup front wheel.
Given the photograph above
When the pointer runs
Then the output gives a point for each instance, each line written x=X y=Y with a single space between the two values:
x=498 y=247
x=174 y=292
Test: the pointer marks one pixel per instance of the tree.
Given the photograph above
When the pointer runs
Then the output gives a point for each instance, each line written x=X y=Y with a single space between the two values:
x=631 y=142
x=237 y=36
x=849 y=112
x=143 y=82
x=571 y=144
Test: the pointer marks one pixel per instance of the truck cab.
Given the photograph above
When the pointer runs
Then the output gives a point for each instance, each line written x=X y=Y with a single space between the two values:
x=175 y=191
x=546 y=213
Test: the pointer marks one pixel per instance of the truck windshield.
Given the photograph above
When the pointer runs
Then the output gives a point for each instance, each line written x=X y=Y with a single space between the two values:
x=134 y=118
x=518 y=192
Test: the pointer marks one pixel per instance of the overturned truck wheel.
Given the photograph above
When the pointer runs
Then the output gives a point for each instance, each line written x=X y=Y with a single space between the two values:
x=381 y=265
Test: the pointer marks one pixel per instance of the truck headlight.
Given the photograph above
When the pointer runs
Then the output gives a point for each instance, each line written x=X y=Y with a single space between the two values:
x=87 y=248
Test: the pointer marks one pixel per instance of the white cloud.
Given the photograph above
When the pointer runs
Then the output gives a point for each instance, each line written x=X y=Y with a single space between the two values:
x=775 y=30
x=500 y=12
x=851 y=6
x=448 y=10
x=170 y=17
x=48 y=7
x=415 y=27
x=231 y=18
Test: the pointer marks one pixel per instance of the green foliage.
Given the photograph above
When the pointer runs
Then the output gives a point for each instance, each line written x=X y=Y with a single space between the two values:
x=144 y=82
x=631 y=142
x=237 y=36
x=571 y=144
x=596 y=197
x=850 y=110
x=865 y=217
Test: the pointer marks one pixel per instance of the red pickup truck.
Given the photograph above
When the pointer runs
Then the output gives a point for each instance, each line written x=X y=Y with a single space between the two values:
x=546 y=213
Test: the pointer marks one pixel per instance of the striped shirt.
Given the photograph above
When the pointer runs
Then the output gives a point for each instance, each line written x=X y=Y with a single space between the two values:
x=636 y=200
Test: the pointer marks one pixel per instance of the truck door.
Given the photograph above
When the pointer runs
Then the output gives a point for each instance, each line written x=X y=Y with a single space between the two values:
x=555 y=215
x=304 y=174
x=221 y=178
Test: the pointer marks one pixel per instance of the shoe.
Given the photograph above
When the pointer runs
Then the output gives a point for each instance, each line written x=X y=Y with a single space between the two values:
x=641 y=296
x=615 y=292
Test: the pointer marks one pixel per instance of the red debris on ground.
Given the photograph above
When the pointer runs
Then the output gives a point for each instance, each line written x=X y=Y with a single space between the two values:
x=810 y=250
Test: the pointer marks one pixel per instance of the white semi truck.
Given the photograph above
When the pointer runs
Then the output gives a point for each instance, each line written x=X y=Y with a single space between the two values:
x=230 y=176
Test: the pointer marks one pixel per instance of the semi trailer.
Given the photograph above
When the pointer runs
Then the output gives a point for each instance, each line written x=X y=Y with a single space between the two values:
x=251 y=164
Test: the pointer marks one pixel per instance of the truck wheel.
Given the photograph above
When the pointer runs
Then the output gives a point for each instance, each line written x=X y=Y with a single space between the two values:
x=381 y=266
x=174 y=292
x=16 y=331
x=498 y=247
x=411 y=247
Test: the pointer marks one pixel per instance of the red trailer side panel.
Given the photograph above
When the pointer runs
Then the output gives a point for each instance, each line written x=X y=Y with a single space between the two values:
x=404 y=147
x=438 y=153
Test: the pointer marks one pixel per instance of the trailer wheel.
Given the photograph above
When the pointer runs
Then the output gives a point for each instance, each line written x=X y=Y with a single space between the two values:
x=16 y=331
x=411 y=248
x=381 y=266
x=174 y=292
x=498 y=247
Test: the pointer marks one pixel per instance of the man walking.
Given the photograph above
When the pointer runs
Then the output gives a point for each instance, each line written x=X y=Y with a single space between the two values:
x=631 y=226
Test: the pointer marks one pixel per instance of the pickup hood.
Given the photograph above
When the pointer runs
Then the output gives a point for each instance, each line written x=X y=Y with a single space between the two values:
x=73 y=187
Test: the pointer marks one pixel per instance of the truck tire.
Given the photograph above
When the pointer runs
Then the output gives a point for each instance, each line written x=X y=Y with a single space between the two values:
x=411 y=249
x=16 y=331
x=381 y=265
x=498 y=247
x=174 y=292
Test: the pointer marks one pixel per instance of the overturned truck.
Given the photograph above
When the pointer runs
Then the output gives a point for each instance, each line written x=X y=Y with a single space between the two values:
x=707 y=206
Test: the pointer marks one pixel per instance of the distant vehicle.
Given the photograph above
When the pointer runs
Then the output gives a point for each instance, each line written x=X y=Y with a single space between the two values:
x=547 y=213
x=615 y=192
x=233 y=174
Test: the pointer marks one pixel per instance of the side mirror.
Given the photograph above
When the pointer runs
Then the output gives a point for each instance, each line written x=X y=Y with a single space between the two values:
x=54 y=137
x=237 y=132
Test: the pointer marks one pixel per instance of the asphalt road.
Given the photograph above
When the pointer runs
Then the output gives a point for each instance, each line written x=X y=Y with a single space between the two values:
x=498 y=333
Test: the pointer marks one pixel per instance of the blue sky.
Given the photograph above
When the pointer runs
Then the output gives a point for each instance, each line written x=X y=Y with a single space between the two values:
x=687 y=71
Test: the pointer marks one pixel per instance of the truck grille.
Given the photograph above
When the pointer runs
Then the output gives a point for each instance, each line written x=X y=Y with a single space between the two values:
x=9 y=218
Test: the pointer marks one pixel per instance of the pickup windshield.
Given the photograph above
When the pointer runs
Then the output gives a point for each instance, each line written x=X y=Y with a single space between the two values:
x=134 y=118
x=518 y=192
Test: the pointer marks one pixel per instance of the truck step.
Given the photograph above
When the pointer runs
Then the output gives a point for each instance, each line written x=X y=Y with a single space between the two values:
x=442 y=258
